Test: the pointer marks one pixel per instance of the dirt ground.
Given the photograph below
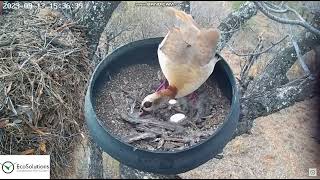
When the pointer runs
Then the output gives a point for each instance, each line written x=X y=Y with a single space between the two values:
x=281 y=146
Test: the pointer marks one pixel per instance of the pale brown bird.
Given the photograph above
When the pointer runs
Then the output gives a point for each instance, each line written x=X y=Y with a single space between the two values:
x=187 y=59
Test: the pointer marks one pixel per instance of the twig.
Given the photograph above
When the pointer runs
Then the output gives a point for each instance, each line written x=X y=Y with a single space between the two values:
x=281 y=3
x=132 y=106
x=24 y=62
x=152 y=122
x=142 y=136
x=300 y=59
x=12 y=106
x=112 y=99
x=248 y=64
x=45 y=39
x=72 y=51
x=185 y=140
x=128 y=28
x=278 y=10
x=160 y=143
x=130 y=94
x=218 y=156
x=178 y=110
x=231 y=31
x=297 y=14
x=144 y=128
x=207 y=117
x=65 y=25
x=45 y=45
x=296 y=48
x=258 y=53
x=32 y=91
x=8 y=42
x=302 y=22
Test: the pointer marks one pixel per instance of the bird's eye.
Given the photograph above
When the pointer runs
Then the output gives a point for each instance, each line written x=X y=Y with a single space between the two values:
x=147 y=104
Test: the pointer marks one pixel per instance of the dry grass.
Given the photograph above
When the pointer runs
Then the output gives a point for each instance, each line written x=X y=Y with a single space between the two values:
x=43 y=73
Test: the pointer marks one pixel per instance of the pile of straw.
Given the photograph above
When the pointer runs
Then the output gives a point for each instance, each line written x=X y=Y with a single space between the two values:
x=44 y=71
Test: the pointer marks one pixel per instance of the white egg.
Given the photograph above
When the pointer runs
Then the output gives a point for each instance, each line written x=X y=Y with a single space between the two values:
x=172 y=101
x=176 y=118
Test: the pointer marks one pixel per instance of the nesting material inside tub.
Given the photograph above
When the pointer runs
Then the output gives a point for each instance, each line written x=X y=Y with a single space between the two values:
x=118 y=102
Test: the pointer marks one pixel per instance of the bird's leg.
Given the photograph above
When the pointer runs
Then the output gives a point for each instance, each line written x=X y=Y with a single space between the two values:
x=193 y=97
x=163 y=85
x=163 y=81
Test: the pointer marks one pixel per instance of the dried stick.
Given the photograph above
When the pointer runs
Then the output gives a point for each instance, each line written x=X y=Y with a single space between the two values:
x=300 y=22
x=142 y=136
x=258 y=53
x=152 y=122
x=296 y=48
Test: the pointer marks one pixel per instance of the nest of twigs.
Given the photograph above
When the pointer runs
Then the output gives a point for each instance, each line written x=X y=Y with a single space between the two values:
x=43 y=75
x=118 y=102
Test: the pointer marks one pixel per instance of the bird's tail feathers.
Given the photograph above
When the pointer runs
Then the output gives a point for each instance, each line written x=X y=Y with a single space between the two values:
x=180 y=15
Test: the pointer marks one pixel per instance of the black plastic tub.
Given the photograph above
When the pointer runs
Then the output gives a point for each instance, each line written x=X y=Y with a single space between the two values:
x=145 y=52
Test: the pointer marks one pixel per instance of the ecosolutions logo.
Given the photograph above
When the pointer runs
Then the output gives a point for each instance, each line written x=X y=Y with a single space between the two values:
x=7 y=167
x=25 y=166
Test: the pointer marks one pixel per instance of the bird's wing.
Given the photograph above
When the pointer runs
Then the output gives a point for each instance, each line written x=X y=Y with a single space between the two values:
x=187 y=43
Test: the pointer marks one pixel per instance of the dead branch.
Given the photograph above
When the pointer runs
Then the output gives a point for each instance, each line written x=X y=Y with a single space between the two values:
x=154 y=130
x=300 y=22
x=300 y=59
x=274 y=9
x=185 y=140
x=272 y=100
x=244 y=78
x=93 y=12
x=113 y=36
x=146 y=135
x=271 y=90
x=231 y=31
x=233 y=22
x=160 y=143
x=152 y=122
x=297 y=50
x=274 y=74
x=258 y=53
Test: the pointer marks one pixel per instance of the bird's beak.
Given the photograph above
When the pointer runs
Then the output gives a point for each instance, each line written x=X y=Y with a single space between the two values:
x=143 y=112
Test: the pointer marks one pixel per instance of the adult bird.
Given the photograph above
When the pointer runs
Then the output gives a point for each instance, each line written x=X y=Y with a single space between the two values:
x=187 y=58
